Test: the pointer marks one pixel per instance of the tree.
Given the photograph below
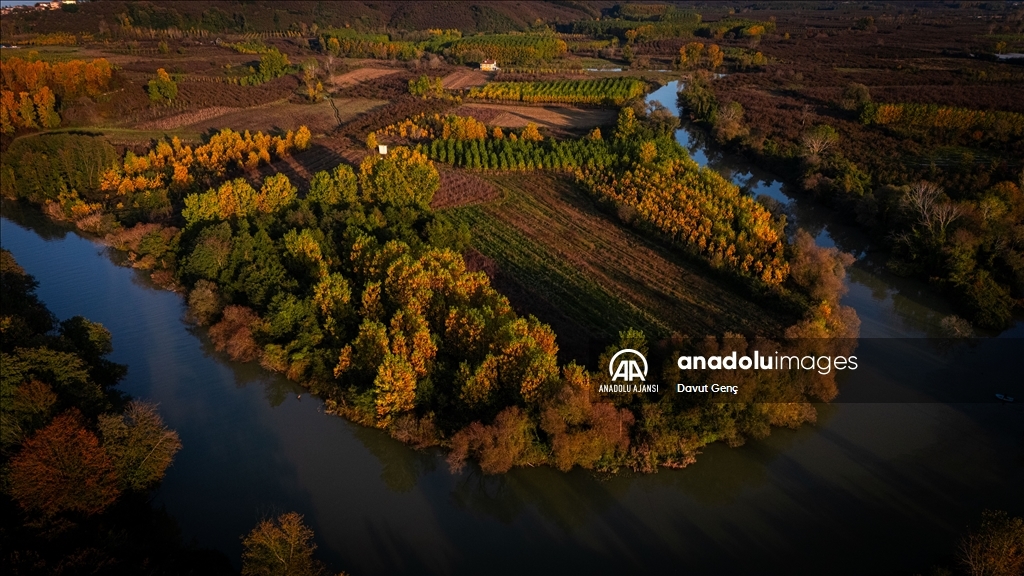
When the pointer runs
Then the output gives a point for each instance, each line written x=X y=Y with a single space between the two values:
x=402 y=178
x=996 y=548
x=648 y=152
x=926 y=201
x=314 y=88
x=819 y=139
x=162 y=89
x=139 y=443
x=531 y=133
x=394 y=387
x=28 y=111
x=715 y=56
x=281 y=547
x=273 y=64
x=45 y=101
x=855 y=96
x=63 y=468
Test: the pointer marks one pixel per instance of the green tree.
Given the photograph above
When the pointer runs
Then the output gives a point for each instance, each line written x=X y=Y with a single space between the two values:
x=273 y=64
x=403 y=178
x=329 y=189
x=162 y=89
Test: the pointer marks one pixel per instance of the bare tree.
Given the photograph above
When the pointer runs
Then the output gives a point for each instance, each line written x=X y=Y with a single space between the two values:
x=819 y=139
x=925 y=199
x=329 y=69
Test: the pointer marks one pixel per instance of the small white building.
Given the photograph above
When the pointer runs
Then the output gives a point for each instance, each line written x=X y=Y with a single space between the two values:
x=382 y=149
x=489 y=65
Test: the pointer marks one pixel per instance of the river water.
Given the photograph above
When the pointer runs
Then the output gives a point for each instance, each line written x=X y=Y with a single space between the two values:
x=871 y=488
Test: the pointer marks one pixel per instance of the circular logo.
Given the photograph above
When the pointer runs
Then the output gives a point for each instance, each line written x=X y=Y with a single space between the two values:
x=627 y=368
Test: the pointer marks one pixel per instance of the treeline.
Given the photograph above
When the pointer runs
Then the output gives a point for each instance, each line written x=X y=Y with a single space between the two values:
x=78 y=458
x=81 y=178
x=351 y=44
x=511 y=49
x=702 y=211
x=670 y=25
x=945 y=124
x=248 y=47
x=616 y=91
x=32 y=91
x=512 y=153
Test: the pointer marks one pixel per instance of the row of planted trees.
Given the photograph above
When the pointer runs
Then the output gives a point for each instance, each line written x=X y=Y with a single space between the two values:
x=615 y=91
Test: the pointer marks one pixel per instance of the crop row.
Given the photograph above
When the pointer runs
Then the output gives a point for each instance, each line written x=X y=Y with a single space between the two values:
x=615 y=91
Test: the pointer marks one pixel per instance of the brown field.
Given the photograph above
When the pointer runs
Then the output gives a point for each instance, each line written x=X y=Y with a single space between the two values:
x=187 y=118
x=578 y=269
x=320 y=118
x=464 y=78
x=461 y=188
x=558 y=119
x=323 y=154
x=361 y=75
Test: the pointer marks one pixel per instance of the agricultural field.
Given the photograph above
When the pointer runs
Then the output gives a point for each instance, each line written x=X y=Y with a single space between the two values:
x=320 y=118
x=360 y=75
x=549 y=237
x=464 y=78
x=567 y=120
x=607 y=91
x=459 y=188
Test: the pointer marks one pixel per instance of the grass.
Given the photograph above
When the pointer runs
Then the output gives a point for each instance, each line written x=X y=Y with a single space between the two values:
x=44 y=53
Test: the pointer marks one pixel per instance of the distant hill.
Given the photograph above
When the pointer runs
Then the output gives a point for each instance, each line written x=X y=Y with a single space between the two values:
x=261 y=16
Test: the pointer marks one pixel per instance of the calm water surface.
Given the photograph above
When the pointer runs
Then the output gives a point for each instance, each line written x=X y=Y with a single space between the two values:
x=870 y=488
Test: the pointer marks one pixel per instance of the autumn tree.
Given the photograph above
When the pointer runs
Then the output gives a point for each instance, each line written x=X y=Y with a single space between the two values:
x=310 y=77
x=394 y=388
x=996 y=548
x=45 y=102
x=162 y=89
x=63 y=468
x=714 y=56
x=139 y=444
x=281 y=547
x=531 y=133
x=404 y=177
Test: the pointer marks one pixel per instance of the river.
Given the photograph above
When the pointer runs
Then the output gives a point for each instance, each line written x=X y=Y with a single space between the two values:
x=872 y=487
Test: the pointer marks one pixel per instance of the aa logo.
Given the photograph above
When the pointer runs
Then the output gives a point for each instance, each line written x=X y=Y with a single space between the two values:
x=623 y=366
